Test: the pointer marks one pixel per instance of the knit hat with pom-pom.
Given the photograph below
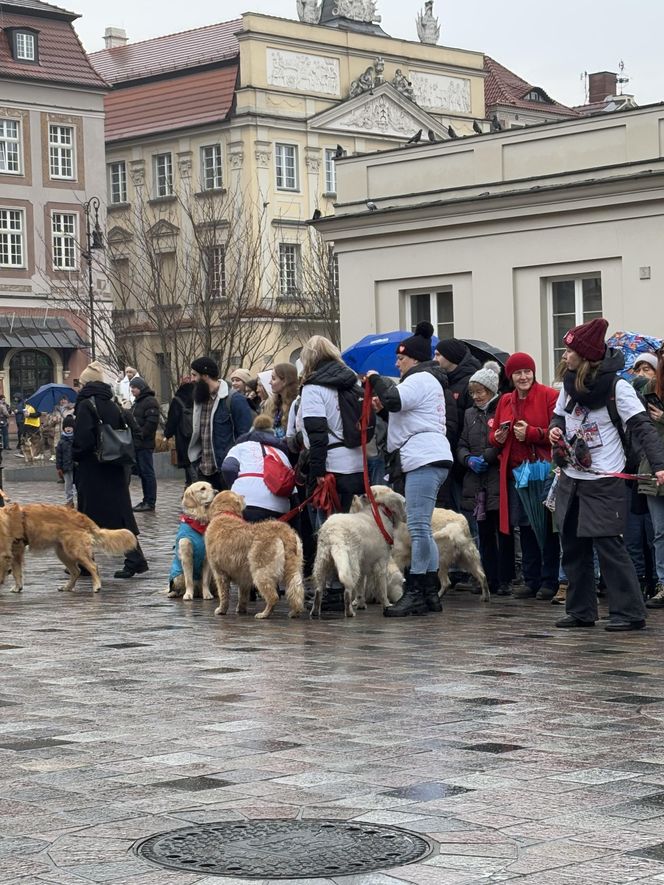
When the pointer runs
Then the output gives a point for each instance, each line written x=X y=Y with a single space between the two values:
x=419 y=346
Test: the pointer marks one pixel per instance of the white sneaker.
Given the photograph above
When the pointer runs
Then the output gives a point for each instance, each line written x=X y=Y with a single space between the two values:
x=52 y=458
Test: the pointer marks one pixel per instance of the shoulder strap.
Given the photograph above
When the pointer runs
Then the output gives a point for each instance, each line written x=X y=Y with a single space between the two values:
x=94 y=408
x=612 y=409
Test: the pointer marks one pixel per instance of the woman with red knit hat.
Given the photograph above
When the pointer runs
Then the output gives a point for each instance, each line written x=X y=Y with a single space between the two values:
x=594 y=409
x=520 y=432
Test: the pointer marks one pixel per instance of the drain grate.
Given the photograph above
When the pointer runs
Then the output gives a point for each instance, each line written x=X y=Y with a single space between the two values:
x=284 y=849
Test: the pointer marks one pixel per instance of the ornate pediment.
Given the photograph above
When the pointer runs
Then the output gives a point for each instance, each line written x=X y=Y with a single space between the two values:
x=118 y=236
x=163 y=228
x=383 y=112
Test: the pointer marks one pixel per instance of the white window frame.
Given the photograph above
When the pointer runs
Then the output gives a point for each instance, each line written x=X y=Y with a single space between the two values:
x=214 y=271
x=117 y=182
x=8 y=141
x=433 y=293
x=212 y=174
x=163 y=180
x=330 y=171
x=12 y=237
x=61 y=152
x=27 y=51
x=64 y=239
x=289 y=269
x=286 y=167
x=578 y=309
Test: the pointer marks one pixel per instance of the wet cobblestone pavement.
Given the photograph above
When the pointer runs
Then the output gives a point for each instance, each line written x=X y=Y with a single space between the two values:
x=528 y=754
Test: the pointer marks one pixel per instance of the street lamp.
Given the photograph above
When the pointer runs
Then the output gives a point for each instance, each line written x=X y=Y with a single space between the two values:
x=94 y=240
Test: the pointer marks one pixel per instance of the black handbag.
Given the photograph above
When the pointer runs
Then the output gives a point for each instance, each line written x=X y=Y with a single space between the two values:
x=113 y=446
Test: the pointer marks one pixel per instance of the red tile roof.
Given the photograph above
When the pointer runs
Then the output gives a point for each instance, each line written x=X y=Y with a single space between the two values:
x=504 y=87
x=179 y=102
x=173 y=52
x=62 y=58
x=37 y=6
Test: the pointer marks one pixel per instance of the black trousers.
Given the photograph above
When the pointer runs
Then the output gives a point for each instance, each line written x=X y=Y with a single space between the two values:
x=259 y=514
x=496 y=551
x=216 y=480
x=622 y=585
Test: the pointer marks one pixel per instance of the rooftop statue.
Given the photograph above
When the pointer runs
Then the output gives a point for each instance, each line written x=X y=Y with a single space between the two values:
x=428 y=26
x=308 y=11
x=357 y=10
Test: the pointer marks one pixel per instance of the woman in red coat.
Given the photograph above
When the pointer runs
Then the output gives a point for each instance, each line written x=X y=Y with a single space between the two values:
x=520 y=432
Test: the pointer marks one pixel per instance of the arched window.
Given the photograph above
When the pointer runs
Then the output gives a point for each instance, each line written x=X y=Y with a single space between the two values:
x=28 y=370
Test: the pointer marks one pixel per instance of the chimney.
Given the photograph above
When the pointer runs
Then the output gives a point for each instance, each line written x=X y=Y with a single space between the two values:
x=115 y=37
x=601 y=85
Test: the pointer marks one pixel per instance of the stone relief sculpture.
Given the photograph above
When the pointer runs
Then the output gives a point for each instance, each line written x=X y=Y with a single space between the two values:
x=428 y=26
x=304 y=73
x=379 y=115
x=441 y=93
x=357 y=10
x=370 y=79
x=403 y=85
x=308 y=11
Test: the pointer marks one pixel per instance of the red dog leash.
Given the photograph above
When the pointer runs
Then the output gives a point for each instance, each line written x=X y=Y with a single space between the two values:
x=364 y=423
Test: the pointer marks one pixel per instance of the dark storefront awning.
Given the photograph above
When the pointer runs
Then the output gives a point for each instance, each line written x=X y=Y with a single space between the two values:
x=38 y=332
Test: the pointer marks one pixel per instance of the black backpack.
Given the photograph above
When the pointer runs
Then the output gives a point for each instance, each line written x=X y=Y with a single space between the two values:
x=187 y=420
x=632 y=454
x=350 y=408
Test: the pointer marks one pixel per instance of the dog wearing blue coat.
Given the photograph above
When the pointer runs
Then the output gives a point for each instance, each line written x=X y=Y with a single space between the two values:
x=189 y=563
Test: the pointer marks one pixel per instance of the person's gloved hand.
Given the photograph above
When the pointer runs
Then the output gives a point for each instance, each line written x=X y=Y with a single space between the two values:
x=477 y=464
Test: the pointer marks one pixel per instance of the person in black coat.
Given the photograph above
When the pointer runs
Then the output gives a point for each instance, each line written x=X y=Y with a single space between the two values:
x=103 y=491
x=481 y=482
x=146 y=415
x=179 y=425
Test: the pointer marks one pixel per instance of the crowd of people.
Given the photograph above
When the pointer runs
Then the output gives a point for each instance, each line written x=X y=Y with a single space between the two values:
x=562 y=487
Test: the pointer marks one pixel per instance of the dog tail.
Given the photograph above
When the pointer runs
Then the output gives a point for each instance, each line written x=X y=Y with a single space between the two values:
x=345 y=570
x=292 y=575
x=115 y=540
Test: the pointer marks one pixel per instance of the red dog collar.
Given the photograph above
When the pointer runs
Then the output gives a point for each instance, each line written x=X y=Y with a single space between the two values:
x=194 y=523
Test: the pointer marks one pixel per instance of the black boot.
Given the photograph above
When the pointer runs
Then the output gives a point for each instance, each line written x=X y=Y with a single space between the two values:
x=413 y=601
x=333 y=598
x=431 y=593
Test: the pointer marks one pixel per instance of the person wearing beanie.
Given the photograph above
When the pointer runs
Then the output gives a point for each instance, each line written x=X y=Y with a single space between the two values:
x=124 y=385
x=219 y=417
x=481 y=479
x=243 y=471
x=239 y=380
x=102 y=489
x=598 y=406
x=415 y=411
x=645 y=366
x=146 y=414
x=520 y=433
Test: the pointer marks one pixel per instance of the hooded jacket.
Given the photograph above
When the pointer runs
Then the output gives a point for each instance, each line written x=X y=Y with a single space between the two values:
x=146 y=415
x=458 y=382
x=183 y=399
x=231 y=417
x=322 y=420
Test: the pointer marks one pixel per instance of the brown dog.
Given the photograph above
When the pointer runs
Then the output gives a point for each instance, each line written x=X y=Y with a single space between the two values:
x=55 y=527
x=260 y=554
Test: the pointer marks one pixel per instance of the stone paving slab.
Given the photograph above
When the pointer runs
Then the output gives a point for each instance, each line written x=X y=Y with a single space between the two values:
x=527 y=754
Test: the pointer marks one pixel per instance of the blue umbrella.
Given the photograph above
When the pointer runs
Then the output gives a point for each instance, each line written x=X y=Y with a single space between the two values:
x=530 y=479
x=377 y=352
x=46 y=398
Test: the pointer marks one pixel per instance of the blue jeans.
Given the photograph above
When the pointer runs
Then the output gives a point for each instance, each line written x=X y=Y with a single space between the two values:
x=656 y=508
x=145 y=470
x=422 y=487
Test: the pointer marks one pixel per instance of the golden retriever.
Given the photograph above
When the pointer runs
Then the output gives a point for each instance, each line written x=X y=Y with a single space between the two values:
x=195 y=507
x=455 y=545
x=260 y=554
x=71 y=534
x=352 y=547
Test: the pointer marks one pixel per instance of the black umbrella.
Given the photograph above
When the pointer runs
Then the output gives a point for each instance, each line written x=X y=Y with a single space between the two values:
x=483 y=351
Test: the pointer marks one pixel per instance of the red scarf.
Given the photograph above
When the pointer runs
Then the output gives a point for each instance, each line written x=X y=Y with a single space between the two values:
x=194 y=523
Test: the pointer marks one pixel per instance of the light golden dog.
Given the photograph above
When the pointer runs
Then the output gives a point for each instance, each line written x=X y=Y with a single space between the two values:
x=260 y=554
x=195 y=507
x=71 y=534
x=455 y=546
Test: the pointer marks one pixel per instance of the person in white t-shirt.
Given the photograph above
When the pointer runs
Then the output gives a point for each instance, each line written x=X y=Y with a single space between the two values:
x=590 y=502
x=242 y=470
x=124 y=385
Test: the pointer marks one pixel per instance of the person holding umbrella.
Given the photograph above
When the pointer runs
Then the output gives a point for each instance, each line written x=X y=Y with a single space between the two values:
x=520 y=432
x=590 y=501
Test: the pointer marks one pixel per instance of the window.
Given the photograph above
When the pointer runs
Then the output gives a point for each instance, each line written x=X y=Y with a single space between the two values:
x=330 y=172
x=163 y=175
x=286 y=159
x=571 y=302
x=61 y=151
x=12 y=251
x=25 y=46
x=537 y=95
x=164 y=369
x=28 y=370
x=117 y=173
x=289 y=269
x=211 y=175
x=10 y=146
x=214 y=268
x=63 y=229
x=435 y=307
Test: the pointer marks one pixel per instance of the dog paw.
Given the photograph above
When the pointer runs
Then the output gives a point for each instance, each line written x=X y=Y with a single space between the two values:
x=18 y=589
x=220 y=611
x=361 y=606
x=295 y=614
x=208 y=595
x=96 y=589
x=260 y=616
x=188 y=596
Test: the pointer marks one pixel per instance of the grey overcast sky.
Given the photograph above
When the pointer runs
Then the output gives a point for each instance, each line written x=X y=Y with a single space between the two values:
x=548 y=44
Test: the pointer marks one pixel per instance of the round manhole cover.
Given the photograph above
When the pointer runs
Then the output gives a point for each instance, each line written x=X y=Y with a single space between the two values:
x=284 y=849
